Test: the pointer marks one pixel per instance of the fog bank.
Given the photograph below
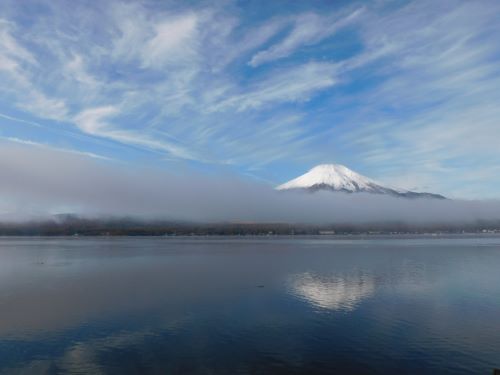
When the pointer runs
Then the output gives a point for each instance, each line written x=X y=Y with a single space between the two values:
x=38 y=181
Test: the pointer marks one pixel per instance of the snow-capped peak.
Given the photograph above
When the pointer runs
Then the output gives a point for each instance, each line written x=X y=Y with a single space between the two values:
x=336 y=177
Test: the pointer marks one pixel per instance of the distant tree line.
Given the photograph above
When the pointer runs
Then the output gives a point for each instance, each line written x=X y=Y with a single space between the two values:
x=72 y=226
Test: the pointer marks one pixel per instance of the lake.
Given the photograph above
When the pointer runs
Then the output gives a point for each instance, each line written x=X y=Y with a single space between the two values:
x=250 y=305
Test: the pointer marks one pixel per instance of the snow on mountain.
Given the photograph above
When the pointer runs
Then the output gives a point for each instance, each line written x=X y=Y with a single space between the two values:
x=335 y=177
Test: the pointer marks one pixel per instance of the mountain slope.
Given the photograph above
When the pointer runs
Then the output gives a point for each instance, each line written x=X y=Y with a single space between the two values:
x=335 y=177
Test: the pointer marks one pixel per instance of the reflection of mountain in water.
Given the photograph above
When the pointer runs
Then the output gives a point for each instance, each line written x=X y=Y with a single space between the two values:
x=334 y=293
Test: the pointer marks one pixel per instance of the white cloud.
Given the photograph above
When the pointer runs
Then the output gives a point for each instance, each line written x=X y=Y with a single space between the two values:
x=11 y=118
x=441 y=77
x=17 y=63
x=76 y=69
x=44 y=106
x=226 y=52
x=9 y=46
x=171 y=42
x=139 y=139
x=52 y=148
x=309 y=28
x=92 y=120
x=153 y=80
x=95 y=121
x=297 y=84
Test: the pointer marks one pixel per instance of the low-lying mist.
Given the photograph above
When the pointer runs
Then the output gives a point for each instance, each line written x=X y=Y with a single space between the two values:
x=38 y=181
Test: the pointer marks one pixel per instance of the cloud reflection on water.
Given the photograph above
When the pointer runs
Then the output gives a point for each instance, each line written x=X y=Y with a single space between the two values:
x=338 y=292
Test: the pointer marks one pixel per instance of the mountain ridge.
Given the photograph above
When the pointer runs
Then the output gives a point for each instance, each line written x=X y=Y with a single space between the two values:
x=339 y=178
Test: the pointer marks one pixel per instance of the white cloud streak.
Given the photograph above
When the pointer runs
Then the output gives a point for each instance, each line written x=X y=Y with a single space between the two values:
x=94 y=121
x=168 y=46
x=308 y=29
x=297 y=84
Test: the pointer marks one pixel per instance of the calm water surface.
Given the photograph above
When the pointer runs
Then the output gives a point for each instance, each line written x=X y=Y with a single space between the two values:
x=249 y=305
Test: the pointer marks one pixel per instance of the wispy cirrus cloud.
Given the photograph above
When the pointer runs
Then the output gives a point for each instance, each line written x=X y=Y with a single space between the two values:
x=429 y=122
x=297 y=84
x=27 y=142
x=95 y=121
x=12 y=52
x=171 y=43
x=308 y=29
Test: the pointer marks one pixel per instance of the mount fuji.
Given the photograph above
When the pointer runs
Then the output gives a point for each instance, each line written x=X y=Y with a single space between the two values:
x=336 y=177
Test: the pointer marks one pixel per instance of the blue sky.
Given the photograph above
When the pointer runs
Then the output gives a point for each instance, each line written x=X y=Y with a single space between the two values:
x=406 y=92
